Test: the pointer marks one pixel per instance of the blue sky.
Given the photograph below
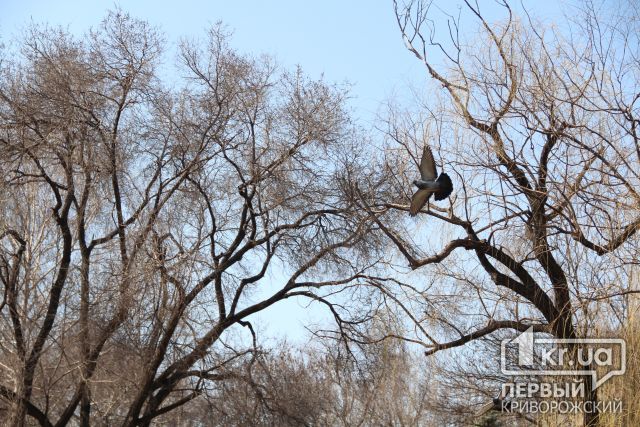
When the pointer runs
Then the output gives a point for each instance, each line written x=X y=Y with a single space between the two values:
x=355 y=41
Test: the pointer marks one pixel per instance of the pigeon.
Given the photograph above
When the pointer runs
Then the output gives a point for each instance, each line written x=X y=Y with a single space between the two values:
x=428 y=184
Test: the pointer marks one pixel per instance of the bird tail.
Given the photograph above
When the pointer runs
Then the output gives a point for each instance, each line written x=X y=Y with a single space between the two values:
x=446 y=187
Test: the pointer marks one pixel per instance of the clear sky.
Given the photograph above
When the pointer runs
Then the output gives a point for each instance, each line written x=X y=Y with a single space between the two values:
x=355 y=41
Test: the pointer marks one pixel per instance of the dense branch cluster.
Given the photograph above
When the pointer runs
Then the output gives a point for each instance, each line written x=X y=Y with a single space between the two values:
x=541 y=129
x=140 y=219
x=147 y=214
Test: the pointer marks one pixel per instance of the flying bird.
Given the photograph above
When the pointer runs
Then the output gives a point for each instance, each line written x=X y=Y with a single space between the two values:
x=428 y=184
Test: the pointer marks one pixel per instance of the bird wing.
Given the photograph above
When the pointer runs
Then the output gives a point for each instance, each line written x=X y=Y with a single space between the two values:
x=446 y=187
x=428 y=170
x=418 y=200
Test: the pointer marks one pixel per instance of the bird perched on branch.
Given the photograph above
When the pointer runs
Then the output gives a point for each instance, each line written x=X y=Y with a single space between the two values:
x=428 y=184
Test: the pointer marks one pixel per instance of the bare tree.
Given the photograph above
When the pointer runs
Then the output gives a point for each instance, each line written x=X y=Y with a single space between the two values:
x=383 y=385
x=146 y=218
x=539 y=127
x=144 y=223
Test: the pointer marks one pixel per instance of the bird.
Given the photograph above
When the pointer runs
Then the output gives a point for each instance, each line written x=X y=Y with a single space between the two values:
x=428 y=184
